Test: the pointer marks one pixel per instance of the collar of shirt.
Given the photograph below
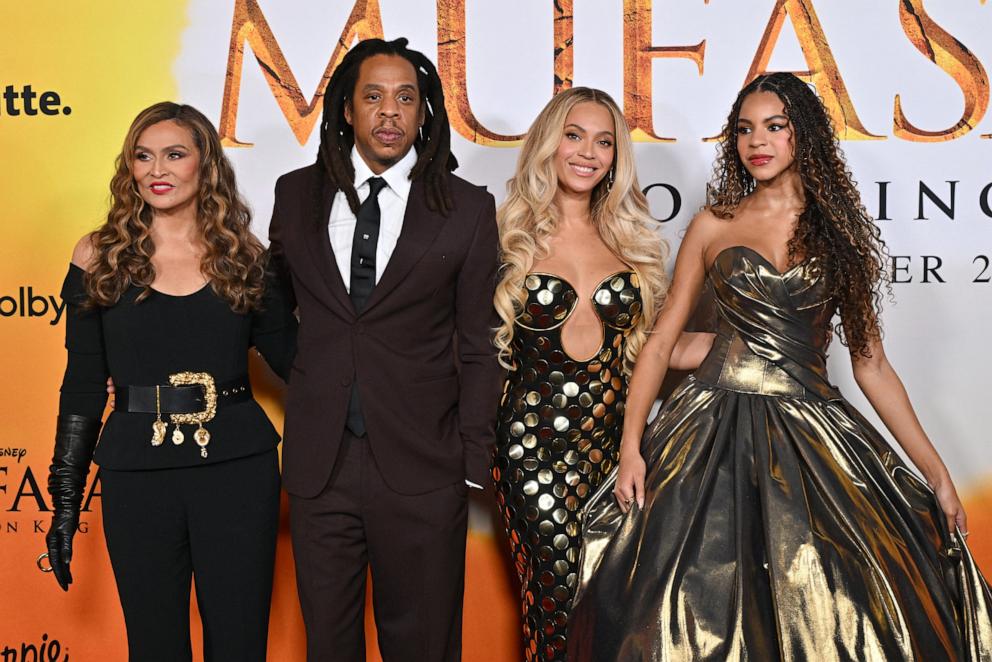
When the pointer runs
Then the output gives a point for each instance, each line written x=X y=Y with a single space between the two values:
x=397 y=176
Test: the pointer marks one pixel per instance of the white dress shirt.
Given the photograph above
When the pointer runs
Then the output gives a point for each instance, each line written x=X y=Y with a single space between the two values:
x=392 y=208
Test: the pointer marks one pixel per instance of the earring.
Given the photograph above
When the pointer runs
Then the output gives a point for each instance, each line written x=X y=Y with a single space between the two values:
x=609 y=181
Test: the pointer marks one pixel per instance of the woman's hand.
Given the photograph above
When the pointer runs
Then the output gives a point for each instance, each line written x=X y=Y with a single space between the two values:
x=630 y=480
x=885 y=391
x=950 y=504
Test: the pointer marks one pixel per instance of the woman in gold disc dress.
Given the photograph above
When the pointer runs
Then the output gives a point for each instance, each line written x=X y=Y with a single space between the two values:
x=582 y=279
x=766 y=519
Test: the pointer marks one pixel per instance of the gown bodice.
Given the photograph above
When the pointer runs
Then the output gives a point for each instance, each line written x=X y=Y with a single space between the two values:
x=554 y=397
x=773 y=327
x=576 y=394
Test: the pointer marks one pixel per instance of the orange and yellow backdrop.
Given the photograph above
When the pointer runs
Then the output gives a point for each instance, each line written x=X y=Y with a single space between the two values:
x=906 y=81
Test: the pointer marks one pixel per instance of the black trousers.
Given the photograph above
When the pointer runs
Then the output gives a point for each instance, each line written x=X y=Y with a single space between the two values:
x=217 y=524
x=414 y=546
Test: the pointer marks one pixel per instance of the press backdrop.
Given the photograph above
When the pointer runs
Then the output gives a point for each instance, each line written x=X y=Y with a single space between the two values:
x=906 y=82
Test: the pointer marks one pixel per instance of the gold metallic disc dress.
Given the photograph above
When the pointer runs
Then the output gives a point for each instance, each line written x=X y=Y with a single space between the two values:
x=558 y=436
x=778 y=524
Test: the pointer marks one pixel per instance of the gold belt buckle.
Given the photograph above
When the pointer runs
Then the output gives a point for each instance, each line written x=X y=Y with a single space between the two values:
x=204 y=379
x=201 y=436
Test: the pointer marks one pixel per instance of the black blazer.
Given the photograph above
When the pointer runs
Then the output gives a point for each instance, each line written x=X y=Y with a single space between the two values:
x=421 y=349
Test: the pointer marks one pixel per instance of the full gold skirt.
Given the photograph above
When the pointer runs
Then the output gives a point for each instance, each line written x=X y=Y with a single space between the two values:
x=774 y=528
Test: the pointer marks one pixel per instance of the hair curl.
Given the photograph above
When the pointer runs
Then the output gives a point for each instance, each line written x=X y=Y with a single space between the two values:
x=337 y=137
x=834 y=227
x=234 y=261
x=528 y=219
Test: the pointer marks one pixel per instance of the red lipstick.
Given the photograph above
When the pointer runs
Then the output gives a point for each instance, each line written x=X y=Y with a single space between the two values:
x=161 y=188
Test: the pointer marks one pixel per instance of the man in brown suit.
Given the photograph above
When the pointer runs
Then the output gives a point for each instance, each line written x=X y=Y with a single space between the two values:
x=393 y=394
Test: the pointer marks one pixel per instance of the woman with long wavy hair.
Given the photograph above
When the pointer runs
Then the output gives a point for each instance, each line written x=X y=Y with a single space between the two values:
x=762 y=517
x=582 y=279
x=166 y=298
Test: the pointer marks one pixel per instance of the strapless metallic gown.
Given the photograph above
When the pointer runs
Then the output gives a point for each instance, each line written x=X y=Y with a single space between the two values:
x=778 y=524
x=558 y=436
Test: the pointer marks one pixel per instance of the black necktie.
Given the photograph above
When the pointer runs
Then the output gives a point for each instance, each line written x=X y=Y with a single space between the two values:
x=363 y=247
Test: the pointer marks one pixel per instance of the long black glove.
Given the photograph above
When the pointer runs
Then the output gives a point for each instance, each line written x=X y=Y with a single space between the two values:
x=75 y=439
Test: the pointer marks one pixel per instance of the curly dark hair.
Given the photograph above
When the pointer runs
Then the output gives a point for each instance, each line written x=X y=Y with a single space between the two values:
x=835 y=228
x=235 y=261
x=433 y=144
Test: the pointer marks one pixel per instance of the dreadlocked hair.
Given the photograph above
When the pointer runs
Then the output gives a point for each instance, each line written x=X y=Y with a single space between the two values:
x=433 y=143
x=835 y=228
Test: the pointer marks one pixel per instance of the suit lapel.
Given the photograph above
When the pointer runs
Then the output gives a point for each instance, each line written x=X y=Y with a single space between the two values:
x=420 y=228
x=319 y=246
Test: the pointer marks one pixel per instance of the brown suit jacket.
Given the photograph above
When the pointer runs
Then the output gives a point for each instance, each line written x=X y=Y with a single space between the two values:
x=421 y=349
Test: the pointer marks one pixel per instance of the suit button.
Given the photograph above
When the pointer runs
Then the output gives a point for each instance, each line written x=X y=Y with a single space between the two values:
x=346 y=381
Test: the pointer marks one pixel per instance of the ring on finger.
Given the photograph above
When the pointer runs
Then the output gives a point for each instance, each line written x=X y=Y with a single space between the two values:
x=41 y=558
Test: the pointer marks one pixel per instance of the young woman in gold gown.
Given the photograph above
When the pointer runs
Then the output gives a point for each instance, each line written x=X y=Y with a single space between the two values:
x=762 y=517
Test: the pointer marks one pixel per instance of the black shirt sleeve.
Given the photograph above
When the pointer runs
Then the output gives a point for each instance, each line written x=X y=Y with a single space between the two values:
x=273 y=328
x=84 y=386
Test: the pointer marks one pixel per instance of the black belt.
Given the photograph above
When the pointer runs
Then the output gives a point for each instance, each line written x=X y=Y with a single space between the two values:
x=178 y=399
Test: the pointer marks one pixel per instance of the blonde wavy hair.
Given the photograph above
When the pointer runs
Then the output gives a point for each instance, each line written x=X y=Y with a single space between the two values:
x=235 y=260
x=528 y=219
